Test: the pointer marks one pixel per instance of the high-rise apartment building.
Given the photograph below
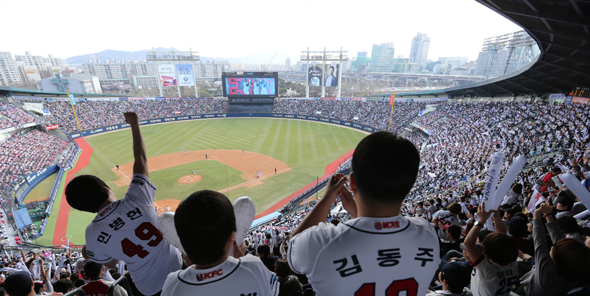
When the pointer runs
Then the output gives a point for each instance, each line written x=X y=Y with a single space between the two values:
x=419 y=50
x=9 y=73
x=382 y=56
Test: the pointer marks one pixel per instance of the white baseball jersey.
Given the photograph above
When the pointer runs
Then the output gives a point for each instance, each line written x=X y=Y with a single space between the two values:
x=488 y=278
x=126 y=230
x=372 y=256
x=234 y=277
x=79 y=267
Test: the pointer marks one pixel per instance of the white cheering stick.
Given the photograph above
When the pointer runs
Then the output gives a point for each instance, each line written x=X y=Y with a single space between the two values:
x=244 y=210
x=517 y=165
x=576 y=188
x=491 y=182
x=557 y=182
x=166 y=226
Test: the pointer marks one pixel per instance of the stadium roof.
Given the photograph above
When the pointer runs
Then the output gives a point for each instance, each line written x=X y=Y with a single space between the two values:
x=11 y=91
x=562 y=31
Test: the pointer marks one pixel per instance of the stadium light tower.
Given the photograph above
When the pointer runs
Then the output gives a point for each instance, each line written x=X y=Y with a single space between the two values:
x=172 y=65
x=315 y=72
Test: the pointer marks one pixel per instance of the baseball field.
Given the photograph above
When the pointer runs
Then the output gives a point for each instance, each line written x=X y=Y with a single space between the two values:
x=237 y=156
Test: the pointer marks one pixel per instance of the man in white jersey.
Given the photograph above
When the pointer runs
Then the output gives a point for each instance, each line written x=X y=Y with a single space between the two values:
x=126 y=229
x=209 y=214
x=495 y=269
x=379 y=252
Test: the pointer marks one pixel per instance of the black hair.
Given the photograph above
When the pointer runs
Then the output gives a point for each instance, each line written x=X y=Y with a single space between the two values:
x=63 y=286
x=568 y=224
x=79 y=283
x=116 y=275
x=500 y=248
x=455 y=231
x=86 y=193
x=385 y=167
x=92 y=269
x=263 y=250
x=282 y=268
x=37 y=287
x=205 y=214
x=566 y=201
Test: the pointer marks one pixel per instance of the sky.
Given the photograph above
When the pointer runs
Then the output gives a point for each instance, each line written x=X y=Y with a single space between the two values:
x=233 y=29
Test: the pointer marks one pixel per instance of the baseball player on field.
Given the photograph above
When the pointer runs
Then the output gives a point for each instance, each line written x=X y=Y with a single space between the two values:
x=379 y=252
x=125 y=229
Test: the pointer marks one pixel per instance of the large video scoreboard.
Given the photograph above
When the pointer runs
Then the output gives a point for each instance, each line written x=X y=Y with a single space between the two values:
x=250 y=84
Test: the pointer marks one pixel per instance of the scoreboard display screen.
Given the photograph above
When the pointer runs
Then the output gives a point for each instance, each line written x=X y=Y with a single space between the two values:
x=581 y=92
x=250 y=84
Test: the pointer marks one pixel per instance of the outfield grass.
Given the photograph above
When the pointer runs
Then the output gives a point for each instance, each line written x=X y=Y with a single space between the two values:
x=42 y=190
x=300 y=144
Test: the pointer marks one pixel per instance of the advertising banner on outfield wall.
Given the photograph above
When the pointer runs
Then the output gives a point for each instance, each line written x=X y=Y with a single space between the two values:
x=95 y=131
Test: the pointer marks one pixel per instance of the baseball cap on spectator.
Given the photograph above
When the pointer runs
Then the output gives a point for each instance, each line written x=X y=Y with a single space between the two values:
x=456 y=276
x=18 y=283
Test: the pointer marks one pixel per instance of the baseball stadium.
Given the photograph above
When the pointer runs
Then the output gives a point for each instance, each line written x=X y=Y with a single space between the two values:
x=477 y=186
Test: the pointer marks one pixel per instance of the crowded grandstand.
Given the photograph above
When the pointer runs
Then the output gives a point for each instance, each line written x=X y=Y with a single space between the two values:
x=448 y=190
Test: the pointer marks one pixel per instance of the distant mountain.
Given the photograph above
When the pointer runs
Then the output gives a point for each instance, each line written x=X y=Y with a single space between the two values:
x=265 y=57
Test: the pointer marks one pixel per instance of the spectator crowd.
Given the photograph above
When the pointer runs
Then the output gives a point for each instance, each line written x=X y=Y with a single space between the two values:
x=95 y=114
x=27 y=152
x=13 y=116
x=536 y=243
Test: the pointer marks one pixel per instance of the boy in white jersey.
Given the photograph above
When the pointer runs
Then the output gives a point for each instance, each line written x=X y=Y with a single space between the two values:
x=495 y=269
x=379 y=252
x=126 y=229
x=206 y=226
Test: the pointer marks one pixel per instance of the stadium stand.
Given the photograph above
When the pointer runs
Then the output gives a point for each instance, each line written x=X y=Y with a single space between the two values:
x=13 y=116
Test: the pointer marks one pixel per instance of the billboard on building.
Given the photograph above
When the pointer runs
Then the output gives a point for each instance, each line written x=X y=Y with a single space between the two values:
x=315 y=76
x=167 y=75
x=185 y=75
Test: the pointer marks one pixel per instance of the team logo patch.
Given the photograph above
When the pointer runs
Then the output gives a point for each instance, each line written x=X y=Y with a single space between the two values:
x=208 y=275
x=389 y=224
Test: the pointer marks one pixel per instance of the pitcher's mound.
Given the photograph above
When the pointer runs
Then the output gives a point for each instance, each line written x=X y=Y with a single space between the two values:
x=189 y=179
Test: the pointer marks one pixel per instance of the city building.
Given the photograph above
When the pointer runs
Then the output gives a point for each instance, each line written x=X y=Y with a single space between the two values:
x=382 y=57
x=9 y=72
x=288 y=64
x=360 y=64
x=400 y=65
x=419 y=50
x=144 y=84
x=109 y=70
x=76 y=83
x=506 y=53
x=454 y=62
x=210 y=71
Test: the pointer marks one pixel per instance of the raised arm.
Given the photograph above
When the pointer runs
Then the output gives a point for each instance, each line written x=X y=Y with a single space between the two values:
x=320 y=212
x=140 y=165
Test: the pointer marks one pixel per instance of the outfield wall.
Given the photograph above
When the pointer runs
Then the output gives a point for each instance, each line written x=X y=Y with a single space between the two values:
x=115 y=127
